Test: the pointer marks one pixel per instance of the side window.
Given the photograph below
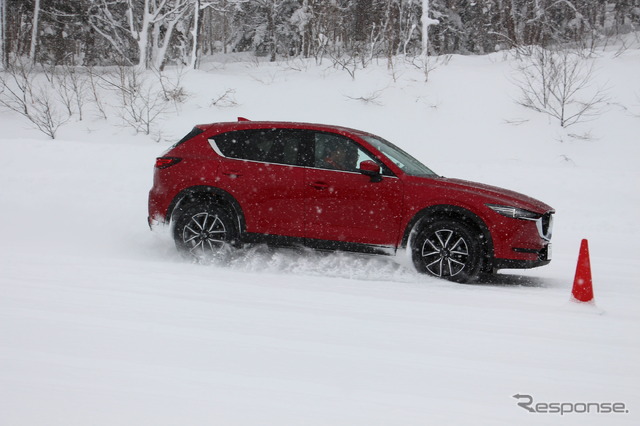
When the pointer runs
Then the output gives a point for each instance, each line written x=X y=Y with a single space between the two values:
x=278 y=146
x=288 y=143
x=337 y=152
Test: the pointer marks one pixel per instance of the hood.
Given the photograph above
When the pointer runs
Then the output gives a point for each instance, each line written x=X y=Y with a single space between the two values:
x=492 y=194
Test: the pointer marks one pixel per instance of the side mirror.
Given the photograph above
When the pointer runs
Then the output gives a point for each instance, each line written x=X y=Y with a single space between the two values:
x=371 y=169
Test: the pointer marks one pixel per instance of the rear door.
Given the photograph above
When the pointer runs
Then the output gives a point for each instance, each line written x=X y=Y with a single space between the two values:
x=260 y=168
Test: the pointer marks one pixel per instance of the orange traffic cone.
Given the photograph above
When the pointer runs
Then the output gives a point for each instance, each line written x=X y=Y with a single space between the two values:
x=582 y=285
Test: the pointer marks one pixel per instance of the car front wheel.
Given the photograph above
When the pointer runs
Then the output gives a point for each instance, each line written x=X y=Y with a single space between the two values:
x=204 y=231
x=448 y=249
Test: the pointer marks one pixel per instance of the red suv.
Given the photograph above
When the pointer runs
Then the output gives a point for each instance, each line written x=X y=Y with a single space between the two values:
x=330 y=187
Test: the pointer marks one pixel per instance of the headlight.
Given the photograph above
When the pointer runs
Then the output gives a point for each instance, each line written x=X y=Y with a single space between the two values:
x=514 y=212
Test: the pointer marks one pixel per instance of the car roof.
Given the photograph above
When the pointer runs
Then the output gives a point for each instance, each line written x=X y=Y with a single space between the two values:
x=244 y=124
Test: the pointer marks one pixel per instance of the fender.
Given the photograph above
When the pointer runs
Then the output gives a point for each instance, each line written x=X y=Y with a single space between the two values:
x=447 y=211
x=204 y=191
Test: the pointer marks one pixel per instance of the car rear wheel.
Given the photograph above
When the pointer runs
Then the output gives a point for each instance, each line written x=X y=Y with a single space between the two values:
x=204 y=231
x=448 y=249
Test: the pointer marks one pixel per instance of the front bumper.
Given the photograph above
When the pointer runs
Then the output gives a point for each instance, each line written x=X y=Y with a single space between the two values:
x=542 y=257
x=522 y=243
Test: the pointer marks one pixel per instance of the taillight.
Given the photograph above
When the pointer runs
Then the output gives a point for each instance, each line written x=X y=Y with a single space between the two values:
x=164 y=162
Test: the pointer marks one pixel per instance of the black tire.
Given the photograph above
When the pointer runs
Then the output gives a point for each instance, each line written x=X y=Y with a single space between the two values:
x=448 y=249
x=204 y=231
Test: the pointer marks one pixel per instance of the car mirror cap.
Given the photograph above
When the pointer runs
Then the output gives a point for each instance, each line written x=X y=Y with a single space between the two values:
x=369 y=166
x=371 y=169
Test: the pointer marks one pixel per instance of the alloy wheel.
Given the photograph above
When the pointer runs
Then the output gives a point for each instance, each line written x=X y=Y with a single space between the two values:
x=204 y=235
x=445 y=253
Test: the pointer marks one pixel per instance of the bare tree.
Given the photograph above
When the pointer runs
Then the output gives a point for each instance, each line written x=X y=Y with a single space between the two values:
x=559 y=83
x=140 y=105
x=348 y=63
x=225 y=99
x=21 y=93
x=70 y=84
x=93 y=82
x=372 y=98
x=150 y=25
x=172 y=89
x=78 y=81
x=142 y=100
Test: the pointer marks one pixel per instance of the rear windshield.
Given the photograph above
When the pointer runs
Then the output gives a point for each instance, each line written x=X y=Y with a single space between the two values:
x=192 y=134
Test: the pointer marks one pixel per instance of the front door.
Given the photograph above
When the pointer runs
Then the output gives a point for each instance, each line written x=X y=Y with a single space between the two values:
x=344 y=205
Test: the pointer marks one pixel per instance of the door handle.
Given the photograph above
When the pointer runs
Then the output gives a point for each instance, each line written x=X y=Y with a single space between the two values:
x=319 y=185
x=232 y=173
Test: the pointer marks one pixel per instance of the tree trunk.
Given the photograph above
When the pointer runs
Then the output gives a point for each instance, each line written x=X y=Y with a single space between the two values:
x=271 y=31
x=34 y=31
x=159 y=51
x=143 y=37
x=426 y=23
x=194 y=35
x=3 y=25
x=509 y=22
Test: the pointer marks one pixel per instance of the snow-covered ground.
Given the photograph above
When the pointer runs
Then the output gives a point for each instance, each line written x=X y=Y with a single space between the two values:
x=101 y=322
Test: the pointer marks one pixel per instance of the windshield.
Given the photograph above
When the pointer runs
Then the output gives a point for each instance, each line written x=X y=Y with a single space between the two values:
x=404 y=161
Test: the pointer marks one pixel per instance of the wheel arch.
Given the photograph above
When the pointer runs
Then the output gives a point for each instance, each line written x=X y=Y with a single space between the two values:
x=203 y=193
x=451 y=212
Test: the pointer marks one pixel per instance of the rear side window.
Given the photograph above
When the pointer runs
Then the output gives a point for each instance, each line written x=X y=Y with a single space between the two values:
x=279 y=146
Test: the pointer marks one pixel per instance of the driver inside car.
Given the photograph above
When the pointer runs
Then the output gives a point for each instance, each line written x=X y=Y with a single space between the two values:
x=338 y=159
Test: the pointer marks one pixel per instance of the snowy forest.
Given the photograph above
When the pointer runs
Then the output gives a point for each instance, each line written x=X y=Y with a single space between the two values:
x=154 y=33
